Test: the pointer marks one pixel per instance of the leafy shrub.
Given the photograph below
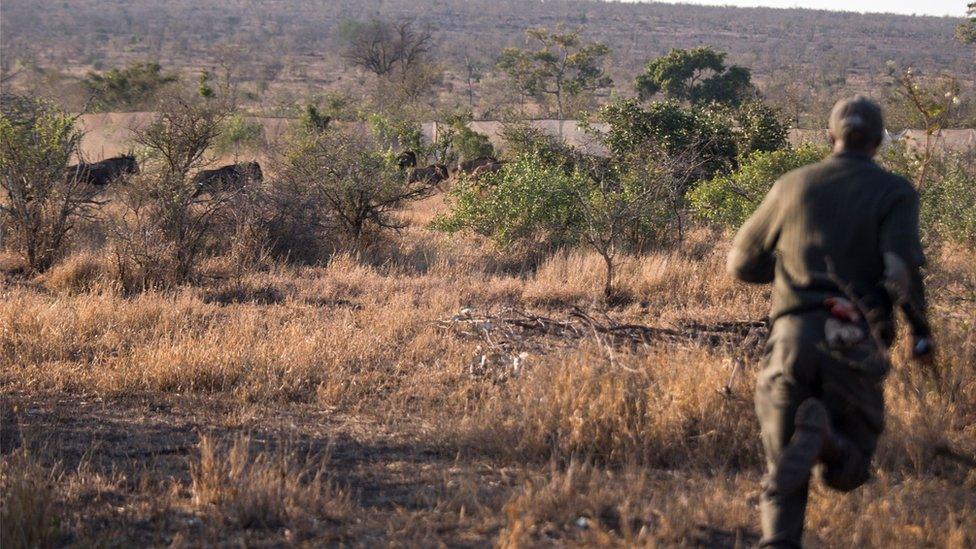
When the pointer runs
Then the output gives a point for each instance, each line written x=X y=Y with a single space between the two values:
x=132 y=87
x=948 y=207
x=730 y=199
x=239 y=133
x=163 y=224
x=467 y=143
x=522 y=139
x=760 y=128
x=673 y=129
x=528 y=199
x=339 y=180
x=43 y=200
x=948 y=200
x=604 y=205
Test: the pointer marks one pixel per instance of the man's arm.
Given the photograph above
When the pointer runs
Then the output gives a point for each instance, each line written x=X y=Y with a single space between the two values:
x=751 y=258
x=901 y=249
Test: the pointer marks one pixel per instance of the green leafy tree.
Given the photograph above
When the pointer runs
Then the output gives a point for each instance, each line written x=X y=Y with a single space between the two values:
x=237 y=133
x=352 y=178
x=698 y=75
x=43 y=199
x=966 y=32
x=730 y=199
x=929 y=102
x=130 y=88
x=558 y=65
x=608 y=206
x=705 y=135
x=162 y=225
x=760 y=127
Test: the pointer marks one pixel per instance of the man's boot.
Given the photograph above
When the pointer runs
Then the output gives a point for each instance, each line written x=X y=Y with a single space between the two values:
x=812 y=437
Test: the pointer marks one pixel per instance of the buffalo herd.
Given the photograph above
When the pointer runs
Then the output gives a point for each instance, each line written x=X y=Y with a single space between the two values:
x=232 y=177
x=235 y=177
x=435 y=174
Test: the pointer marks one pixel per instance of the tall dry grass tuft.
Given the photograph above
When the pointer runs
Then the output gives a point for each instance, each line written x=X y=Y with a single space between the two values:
x=660 y=409
x=80 y=272
x=577 y=501
x=266 y=490
x=28 y=503
x=586 y=506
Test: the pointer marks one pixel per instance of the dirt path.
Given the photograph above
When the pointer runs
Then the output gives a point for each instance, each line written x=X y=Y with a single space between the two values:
x=145 y=446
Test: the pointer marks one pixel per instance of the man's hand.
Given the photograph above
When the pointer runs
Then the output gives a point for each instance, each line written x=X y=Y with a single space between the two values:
x=923 y=350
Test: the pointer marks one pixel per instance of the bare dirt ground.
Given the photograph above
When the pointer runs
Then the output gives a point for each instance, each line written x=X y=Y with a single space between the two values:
x=402 y=489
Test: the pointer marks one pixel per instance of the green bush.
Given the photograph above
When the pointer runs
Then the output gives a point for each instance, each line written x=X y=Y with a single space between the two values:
x=528 y=199
x=760 y=128
x=43 y=200
x=130 y=88
x=342 y=179
x=730 y=199
x=948 y=208
x=522 y=139
x=237 y=133
x=707 y=135
x=468 y=143
x=948 y=199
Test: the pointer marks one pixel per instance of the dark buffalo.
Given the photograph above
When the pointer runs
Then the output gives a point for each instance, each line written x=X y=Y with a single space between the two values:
x=482 y=164
x=490 y=167
x=106 y=171
x=407 y=159
x=432 y=175
x=233 y=177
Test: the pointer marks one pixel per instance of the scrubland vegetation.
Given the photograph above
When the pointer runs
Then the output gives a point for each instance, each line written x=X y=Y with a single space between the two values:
x=546 y=352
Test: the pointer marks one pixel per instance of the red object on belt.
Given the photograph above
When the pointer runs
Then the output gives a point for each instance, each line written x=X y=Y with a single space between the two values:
x=842 y=309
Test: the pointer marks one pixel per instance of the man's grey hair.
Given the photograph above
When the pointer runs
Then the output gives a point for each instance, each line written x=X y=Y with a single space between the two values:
x=857 y=122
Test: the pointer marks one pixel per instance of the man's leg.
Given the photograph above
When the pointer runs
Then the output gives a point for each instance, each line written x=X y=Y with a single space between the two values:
x=853 y=394
x=785 y=382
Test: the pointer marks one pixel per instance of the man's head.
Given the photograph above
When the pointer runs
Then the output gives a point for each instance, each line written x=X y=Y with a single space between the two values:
x=856 y=125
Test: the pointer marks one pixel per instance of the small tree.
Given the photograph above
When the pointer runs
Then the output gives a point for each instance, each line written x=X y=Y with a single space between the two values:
x=730 y=199
x=132 y=87
x=43 y=200
x=966 y=32
x=699 y=76
x=709 y=137
x=629 y=203
x=760 y=128
x=576 y=199
x=164 y=222
x=385 y=48
x=931 y=102
x=562 y=66
x=354 y=183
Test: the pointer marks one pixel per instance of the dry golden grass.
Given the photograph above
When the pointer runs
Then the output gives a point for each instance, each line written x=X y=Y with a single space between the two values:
x=27 y=503
x=267 y=490
x=640 y=443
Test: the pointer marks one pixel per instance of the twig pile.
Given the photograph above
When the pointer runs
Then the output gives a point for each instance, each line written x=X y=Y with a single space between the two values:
x=509 y=336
